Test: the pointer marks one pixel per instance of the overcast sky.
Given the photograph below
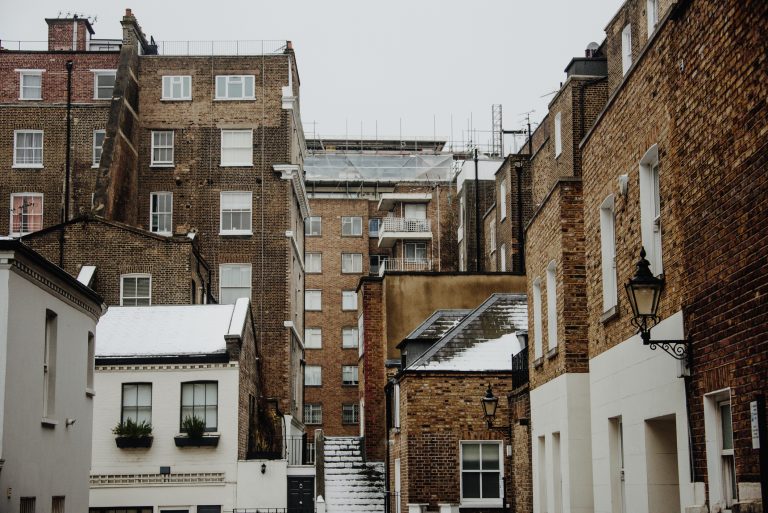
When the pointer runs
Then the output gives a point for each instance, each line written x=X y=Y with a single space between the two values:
x=393 y=63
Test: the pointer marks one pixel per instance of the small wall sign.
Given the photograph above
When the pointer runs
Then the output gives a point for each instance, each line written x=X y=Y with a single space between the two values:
x=755 y=423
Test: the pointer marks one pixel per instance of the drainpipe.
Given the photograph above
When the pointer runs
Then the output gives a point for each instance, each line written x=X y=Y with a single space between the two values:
x=65 y=210
x=520 y=230
x=478 y=266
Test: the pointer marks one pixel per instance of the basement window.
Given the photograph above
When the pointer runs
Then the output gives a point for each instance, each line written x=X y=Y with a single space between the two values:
x=235 y=87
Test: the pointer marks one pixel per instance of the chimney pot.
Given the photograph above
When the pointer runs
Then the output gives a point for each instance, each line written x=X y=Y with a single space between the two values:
x=128 y=13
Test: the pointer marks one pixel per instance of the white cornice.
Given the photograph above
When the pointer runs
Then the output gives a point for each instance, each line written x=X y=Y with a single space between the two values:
x=294 y=173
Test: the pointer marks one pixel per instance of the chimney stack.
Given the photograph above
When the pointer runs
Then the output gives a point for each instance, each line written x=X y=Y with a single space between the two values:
x=69 y=33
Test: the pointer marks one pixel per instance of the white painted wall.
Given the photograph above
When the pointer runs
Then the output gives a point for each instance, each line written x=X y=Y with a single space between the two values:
x=42 y=461
x=638 y=384
x=562 y=406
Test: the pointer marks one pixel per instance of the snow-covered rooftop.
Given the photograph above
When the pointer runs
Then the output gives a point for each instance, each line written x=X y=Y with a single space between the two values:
x=142 y=331
x=485 y=340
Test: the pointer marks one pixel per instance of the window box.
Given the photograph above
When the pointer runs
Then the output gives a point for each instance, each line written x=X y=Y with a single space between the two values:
x=204 y=441
x=129 y=442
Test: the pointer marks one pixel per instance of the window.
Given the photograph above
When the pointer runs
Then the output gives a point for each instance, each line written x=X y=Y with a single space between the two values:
x=626 y=49
x=608 y=252
x=727 y=463
x=135 y=290
x=27 y=505
x=237 y=147
x=49 y=364
x=235 y=87
x=415 y=251
x=98 y=145
x=177 y=88
x=348 y=300
x=492 y=236
x=396 y=406
x=481 y=472
x=313 y=338
x=351 y=262
x=503 y=200
x=313 y=262
x=91 y=362
x=236 y=213
x=650 y=209
x=312 y=227
x=313 y=413
x=503 y=258
x=416 y=210
x=351 y=226
x=313 y=376
x=461 y=216
x=552 y=304
x=313 y=300
x=537 y=323
x=137 y=403
x=31 y=84
x=558 y=134
x=28 y=148
x=103 y=84
x=373 y=227
x=350 y=413
x=652 y=14
x=161 y=212
x=349 y=338
x=376 y=262
x=162 y=148
x=201 y=400
x=26 y=213
x=349 y=375
x=234 y=283
x=57 y=504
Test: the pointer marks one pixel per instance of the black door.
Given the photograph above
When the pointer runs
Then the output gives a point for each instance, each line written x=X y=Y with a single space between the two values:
x=301 y=494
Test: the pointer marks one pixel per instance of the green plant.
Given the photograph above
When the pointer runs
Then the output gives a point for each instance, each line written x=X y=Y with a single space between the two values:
x=193 y=426
x=133 y=429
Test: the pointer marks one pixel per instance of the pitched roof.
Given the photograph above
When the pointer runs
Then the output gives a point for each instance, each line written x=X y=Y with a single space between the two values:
x=437 y=325
x=485 y=340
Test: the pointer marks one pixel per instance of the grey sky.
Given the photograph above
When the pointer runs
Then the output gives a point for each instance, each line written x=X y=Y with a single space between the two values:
x=378 y=62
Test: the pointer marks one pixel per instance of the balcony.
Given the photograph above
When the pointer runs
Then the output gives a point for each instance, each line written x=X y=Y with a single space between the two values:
x=520 y=368
x=405 y=264
x=395 y=228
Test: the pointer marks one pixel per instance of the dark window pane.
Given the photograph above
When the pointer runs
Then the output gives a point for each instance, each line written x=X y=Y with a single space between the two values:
x=490 y=485
x=470 y=482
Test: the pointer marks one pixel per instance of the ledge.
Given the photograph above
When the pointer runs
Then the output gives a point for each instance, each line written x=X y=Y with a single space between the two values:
x=551 y=353
x=204 y=441
x=49 y=423
x=610 y=314
x=538 y=362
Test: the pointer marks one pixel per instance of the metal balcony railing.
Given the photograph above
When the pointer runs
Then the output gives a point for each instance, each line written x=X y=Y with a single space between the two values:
x=405 y=264
x=520 y=368
x=299 y=451
x=403 y=224
x=203 y=48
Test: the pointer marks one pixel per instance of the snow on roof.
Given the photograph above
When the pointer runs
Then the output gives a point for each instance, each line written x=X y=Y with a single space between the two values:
x=484 y=341
x=239 y=315
x=135 y=331
x=86 y=274
x=438 y=324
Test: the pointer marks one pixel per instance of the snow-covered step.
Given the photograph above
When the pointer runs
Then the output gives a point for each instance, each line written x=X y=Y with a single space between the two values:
x=351 y=484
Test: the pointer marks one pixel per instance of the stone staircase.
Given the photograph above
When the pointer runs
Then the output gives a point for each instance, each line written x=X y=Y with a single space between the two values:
x=351 y=484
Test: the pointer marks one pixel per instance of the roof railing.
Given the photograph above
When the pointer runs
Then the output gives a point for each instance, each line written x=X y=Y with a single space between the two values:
x=225 y=48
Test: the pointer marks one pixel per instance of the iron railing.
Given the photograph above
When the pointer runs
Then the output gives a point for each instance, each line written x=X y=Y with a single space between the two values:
x=405 y=264
x=94 y=45
x=392 y=502
x=299 y=450
x=302 y=509
x=403 y=224
x=520 y=368
x=203 y=48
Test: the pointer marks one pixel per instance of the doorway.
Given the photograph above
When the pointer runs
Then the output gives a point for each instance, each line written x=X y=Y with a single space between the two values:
x=301 y=494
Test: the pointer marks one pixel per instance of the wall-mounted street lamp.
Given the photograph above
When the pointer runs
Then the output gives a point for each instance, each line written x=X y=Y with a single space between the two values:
x=644 y=290
x=490 y=404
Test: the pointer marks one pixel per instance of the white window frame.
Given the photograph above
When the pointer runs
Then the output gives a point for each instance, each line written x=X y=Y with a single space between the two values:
x=233 y=231
x=139 y=386
x=503 y=258
x=552 y=305
x=503 y=200
x=351 y=263
x=313 y=338
x=720 y=497
x=309 y=303
x=158 y=213
x=481 y=502
x=33 y=165
x=21 y=232
x=350 y=333
x=396 y=406
x=349 y=375
x=309 y=223
x=492 y=236
x=355 y=414
x=313 y=414
x=224 y=95
x=96 y=148
x=168 y=84
x=30 y=73
x=209 y=426
x=99 y=73
x=418 y=248
x=156 y=162
x=345 y=295
x=652 y=15
x=235 y=267
x=313 y=262
x=538 y=350
x=374 y=231
x=317 y=371
x=558 y=134
x=351 y=221
x=227 y=162
x=608 y=252
x=135 y=275
x=650 y=209
x=626 y=49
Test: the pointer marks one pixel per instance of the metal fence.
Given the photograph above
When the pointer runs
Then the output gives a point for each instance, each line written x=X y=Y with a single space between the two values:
x=298 y=450
x=202 y=48
x=520 y=368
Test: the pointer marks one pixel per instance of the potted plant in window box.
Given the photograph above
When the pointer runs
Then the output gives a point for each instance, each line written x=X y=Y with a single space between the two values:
x=194 y=434
x=131 y=434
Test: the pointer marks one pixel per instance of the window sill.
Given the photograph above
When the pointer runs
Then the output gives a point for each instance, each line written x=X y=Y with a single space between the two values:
x=27 y=166
x=244 y=164
x=349 y=347
x=30 y=99
x=354 y=236
x=103 y=98
x=313 y=235
x=175 y=99
x=349 y=385
x=95 y=166
x=236 y=234
x=49 y=423
x=351 y=272
x=538 y=362
x=164 y=234
x=610 y=314
x=551 y=353
x=160 y=165
x=481 y=504
x=89 y=392
x=246 y=99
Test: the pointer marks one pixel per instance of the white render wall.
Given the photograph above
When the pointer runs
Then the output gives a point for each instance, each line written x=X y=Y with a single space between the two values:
x=562 y=406
x=42 y=462
x=638 y=384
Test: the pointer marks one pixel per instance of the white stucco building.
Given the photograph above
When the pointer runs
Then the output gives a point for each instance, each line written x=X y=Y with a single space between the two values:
x=160 y=364
x=47 y=327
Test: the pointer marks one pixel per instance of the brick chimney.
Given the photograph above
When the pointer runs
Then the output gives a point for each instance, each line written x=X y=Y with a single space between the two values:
x=68 y=33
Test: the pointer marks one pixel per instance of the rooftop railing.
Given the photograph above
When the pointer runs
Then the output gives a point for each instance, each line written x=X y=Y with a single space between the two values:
x=226 y=48
x=94 y=45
